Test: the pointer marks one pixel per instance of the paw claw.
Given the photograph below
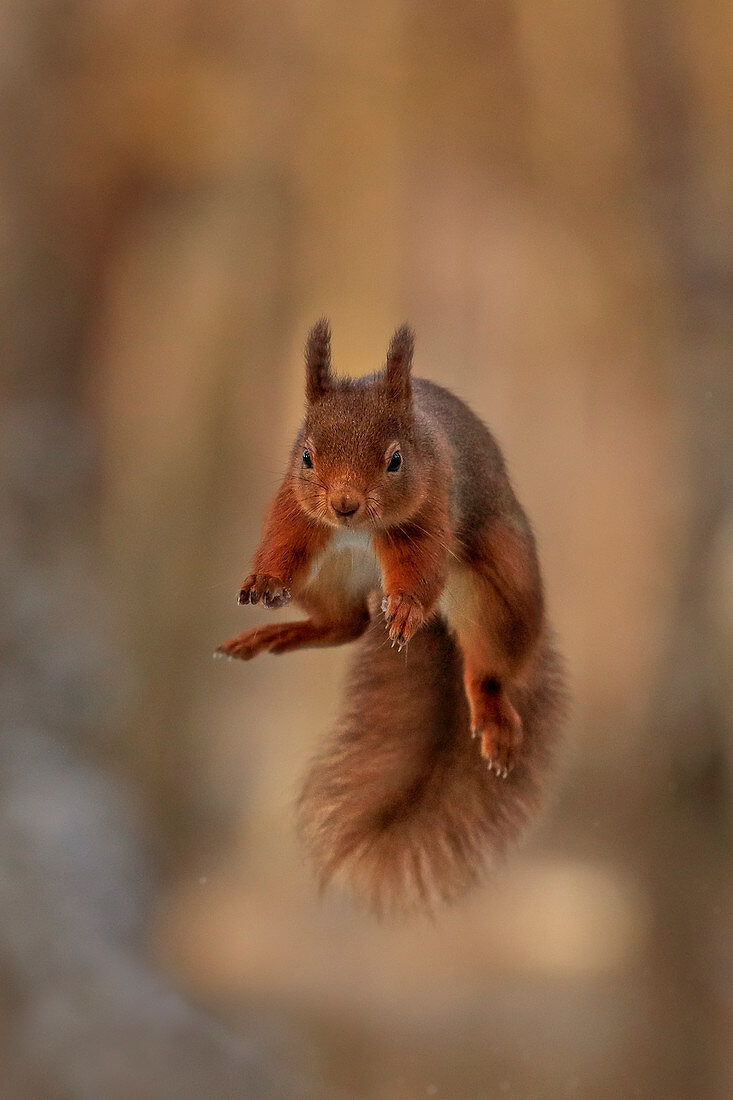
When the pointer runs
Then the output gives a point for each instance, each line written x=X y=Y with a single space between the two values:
x=496 y=768
x=498 y=757
x=263 y=586
x=495 y=720
x=403 y=615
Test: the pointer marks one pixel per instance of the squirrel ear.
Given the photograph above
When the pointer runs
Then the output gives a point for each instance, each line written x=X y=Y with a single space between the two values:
x=399 y=363
x=318 y=360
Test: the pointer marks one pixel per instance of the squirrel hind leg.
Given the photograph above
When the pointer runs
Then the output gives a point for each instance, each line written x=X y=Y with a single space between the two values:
x=283 y=637
x=494 y=719
x=399 y=802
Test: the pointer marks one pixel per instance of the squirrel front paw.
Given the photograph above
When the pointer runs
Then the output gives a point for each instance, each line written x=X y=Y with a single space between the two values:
x=263 y=586
x=404 y=615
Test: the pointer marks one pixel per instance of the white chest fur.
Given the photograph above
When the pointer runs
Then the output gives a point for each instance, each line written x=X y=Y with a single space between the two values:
x=348 y=563
x=460 y=601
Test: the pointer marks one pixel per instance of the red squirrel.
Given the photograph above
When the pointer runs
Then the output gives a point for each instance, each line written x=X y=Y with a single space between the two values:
x=396 y=524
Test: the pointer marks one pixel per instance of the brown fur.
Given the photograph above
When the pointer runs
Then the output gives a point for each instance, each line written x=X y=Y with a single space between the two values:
x=399 y=801
x=395 y=487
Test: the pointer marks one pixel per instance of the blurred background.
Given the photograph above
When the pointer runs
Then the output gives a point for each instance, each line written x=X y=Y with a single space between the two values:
x=546 y=192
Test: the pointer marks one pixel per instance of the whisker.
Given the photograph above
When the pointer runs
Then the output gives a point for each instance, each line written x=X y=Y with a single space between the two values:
x=411 y=524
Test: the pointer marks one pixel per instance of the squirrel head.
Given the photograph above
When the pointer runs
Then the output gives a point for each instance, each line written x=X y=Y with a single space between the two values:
x=357 y=459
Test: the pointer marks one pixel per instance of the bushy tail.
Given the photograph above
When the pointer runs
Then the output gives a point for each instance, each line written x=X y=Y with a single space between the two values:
x=400 y=798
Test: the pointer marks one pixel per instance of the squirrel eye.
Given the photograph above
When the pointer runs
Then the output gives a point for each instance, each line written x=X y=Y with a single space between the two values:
x=395 y=462
x=307 y=460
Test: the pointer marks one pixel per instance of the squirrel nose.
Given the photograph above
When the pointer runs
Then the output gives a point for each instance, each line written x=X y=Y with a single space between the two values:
x=345 y=504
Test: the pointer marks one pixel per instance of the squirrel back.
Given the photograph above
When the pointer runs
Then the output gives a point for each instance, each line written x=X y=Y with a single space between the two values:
x=398 y=800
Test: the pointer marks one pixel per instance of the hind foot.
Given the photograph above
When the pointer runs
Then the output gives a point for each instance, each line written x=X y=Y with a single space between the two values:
x=499 y=748
x=495 y=720
x=276 y=639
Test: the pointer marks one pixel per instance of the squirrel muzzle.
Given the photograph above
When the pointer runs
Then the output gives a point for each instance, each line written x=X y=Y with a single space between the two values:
x=345 y=503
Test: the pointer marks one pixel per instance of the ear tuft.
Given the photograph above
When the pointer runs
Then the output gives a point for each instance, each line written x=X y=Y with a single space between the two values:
x=318 y=360
x=399 y=363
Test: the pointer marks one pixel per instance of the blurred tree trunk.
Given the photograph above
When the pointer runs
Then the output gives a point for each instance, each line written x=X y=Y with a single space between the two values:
x=683 y=86
x=84 y=1013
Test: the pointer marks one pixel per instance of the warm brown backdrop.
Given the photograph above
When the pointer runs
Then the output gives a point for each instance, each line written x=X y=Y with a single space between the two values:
x=546 y=191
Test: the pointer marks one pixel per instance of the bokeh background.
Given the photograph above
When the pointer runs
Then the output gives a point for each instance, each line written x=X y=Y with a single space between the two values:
x=546 y=191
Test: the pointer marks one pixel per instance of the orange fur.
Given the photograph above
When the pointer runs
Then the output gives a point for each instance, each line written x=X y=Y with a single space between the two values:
x=395 y=490
x=289 y=539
